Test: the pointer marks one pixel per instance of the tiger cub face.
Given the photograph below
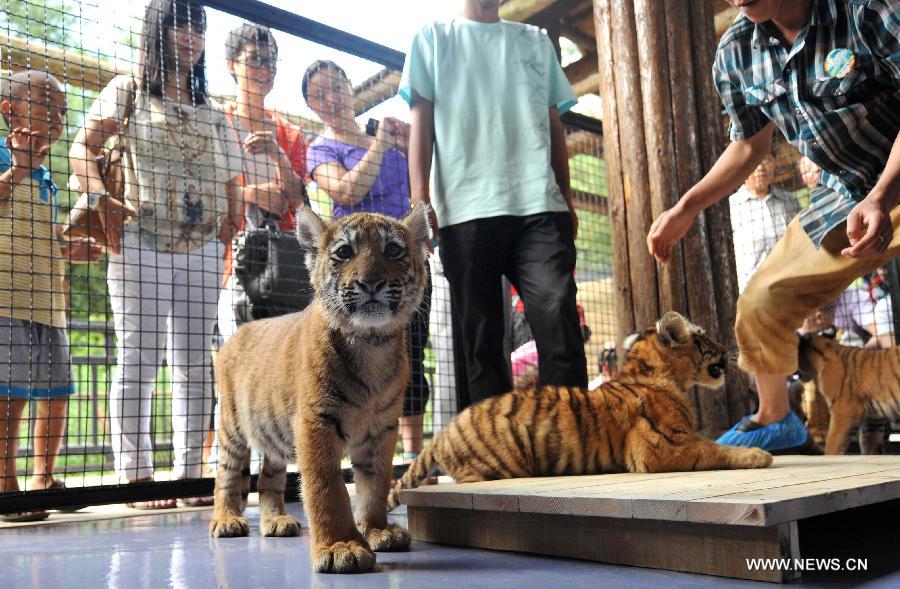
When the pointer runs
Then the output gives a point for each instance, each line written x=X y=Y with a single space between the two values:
x=367 y=269
x=676 y=348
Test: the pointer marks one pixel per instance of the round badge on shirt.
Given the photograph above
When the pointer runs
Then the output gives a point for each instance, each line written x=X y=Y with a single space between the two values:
x=839 y=63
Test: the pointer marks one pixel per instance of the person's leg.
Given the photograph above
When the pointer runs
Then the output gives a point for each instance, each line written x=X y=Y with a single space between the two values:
x=50 y=426
x=15 y=363
x=411 y=427
x=542 y=262
x=418 y=391
x=795 y=279
x=474 y=254
x=140 y=292
x=11 y=409
x=49 y=429
x=195 y=302
x=443 y=398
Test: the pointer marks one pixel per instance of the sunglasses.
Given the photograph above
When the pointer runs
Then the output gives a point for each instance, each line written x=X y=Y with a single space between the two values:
x=257 y=60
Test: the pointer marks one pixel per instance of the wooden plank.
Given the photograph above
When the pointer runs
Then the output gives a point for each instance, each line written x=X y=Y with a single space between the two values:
x=694 y=248
x=623 y=292
x=694 y=548
x=633 y=149
x=522 y=10
x=659 y=158
x=375 y=90
x=718 y=217
x=805 y=501
x=737 y=497
x=77 y=69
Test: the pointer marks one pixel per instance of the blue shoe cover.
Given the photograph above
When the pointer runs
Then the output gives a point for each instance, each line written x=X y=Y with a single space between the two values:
x=787 y=433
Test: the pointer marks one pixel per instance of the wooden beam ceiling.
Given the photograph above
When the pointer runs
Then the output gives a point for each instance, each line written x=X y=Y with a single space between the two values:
x=523 y=10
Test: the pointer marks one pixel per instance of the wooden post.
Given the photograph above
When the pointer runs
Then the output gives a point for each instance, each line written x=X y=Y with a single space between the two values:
x=663 y=129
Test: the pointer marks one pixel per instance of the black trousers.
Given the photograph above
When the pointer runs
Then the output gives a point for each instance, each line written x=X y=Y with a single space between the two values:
x=536 y=253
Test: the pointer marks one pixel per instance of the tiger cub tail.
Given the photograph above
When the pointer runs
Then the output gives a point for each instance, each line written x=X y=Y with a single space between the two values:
x=418 y=471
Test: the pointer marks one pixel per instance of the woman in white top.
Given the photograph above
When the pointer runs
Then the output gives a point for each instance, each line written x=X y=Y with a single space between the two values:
x=182 y=162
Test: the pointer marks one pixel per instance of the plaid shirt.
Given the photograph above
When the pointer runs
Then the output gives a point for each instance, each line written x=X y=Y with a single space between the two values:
x=847 y=125
x=758 y=224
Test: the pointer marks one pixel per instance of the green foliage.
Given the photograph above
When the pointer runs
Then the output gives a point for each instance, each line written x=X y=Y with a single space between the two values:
x=594 y=242
x=52 y=22
x=48 y=20
x=588 y=174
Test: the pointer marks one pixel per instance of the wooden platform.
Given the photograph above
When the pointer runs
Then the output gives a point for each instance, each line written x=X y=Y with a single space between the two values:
x=702 y=522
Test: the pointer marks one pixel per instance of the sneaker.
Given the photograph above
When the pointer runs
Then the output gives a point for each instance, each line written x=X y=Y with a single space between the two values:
x=782 y=435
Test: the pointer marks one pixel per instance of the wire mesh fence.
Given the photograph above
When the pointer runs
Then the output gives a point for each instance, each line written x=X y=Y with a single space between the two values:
x=175 y=131
x=177 y=142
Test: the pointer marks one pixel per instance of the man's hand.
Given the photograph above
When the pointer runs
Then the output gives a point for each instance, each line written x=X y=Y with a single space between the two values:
x=27 y=150
x=231 y=224
x=268 y=197
x=573 y=215
x=262 y=142
x=392 y=133
x=114 y=213
x=435 y=232
x=82 y=250
x=869 y=228
x=667 y=230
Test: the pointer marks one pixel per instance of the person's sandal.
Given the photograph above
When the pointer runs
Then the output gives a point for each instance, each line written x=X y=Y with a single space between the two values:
x=153 y=504
x=58 y=485
x=196 y=501
x=24 y=516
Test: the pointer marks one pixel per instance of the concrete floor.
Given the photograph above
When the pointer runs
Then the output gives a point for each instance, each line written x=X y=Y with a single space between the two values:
x=175 y=551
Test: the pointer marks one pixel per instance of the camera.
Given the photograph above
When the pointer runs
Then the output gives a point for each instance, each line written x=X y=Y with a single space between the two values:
x=372 y=127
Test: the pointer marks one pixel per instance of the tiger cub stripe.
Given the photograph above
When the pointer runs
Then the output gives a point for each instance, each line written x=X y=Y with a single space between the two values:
x=640 y=421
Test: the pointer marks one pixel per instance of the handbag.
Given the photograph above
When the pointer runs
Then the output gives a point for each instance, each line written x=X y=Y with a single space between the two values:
x=271 y=270
x=83 y=219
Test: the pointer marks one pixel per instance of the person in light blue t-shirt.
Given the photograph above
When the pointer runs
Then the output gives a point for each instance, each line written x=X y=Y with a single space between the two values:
x=486 y=97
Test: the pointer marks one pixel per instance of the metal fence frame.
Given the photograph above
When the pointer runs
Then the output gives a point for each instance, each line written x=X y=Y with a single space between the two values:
x=296 y=25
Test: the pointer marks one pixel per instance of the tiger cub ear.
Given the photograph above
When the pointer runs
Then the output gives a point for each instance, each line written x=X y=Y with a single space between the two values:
x=309 y=228
x=629 y=341
x=673 y=329
x=417 y=222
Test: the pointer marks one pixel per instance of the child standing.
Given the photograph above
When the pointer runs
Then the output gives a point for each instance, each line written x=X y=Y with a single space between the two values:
x=34 y=349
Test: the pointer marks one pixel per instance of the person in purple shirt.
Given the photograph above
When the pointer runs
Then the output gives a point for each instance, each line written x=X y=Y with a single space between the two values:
x=362 y=173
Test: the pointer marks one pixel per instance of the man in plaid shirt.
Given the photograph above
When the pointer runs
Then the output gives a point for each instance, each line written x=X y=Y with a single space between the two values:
x=826 y=73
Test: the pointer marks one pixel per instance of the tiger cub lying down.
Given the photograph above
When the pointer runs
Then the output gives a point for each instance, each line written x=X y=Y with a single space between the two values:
x=310 y=385
x=638 y=422
x=855 y=382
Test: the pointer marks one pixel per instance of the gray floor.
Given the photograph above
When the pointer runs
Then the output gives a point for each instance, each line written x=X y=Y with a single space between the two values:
x=157 y=551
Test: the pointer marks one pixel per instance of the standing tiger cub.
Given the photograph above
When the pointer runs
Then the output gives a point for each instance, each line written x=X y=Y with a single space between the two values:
x=638 y=422
x=855 y=382
x=311 y=384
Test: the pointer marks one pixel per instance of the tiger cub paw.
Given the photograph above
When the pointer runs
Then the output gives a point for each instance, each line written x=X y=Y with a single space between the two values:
x=390 y=539
x=279 y=525
x=231 y=526
x=351 y=556
x=751 y=458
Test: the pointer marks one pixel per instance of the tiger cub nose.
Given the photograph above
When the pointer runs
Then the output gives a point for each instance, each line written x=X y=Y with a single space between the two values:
x=371 y=285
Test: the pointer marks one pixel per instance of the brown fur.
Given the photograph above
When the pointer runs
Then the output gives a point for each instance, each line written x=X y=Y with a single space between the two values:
x=855 y=383
x=312 y=384
x=640 y=421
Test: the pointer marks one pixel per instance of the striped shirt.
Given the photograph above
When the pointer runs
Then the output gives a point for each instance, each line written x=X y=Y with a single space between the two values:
x=845 y=124
x=31 y=264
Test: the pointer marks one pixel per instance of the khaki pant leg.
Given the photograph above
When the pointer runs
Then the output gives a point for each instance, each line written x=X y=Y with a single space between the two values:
x=795 y=280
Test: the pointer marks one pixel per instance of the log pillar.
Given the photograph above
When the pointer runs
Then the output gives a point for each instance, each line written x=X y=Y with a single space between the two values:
x=662 y=130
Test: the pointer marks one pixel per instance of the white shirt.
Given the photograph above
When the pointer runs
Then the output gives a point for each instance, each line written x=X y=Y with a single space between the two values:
x=758 y=224
x=884 y=317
